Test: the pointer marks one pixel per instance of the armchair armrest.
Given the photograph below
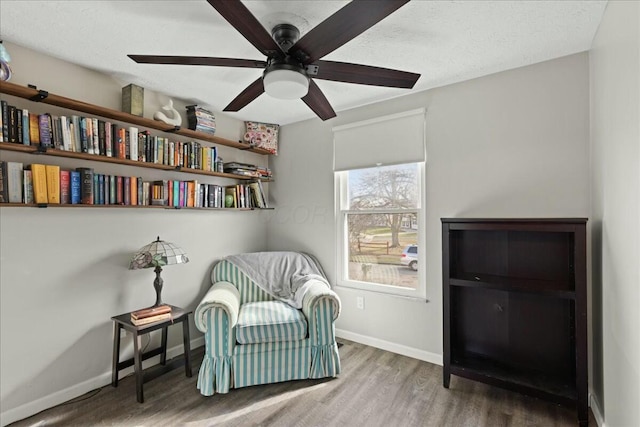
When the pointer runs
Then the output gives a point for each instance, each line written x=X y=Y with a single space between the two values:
x=317 y=292
x=222 y=295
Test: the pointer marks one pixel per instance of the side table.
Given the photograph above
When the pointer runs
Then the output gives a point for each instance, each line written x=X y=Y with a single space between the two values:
x=123 y=321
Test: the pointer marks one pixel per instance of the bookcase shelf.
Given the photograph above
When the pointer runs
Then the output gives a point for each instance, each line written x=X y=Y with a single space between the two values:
x=72 y=104
x=552 y=288
x=105 y=159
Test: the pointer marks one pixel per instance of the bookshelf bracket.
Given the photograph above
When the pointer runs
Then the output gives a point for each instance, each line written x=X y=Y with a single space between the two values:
x=175 y=129
x=40 y=149
x=40 y=96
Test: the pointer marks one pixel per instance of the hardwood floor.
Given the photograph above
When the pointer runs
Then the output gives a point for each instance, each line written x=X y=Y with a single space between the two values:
x=375 y=388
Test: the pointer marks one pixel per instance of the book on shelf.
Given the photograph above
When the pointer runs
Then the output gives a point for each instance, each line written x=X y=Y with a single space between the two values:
x=101 y=192
x=77 y=140
x=102 y=138
x=140 y=188
x=151 y=319
x=39 y=178
x=53 y=183
x=257 y=194
x=65 y=187
x=56 y=141
x=19 y=134
x=145 y=193
x=86 y=185
x=121 y=144
x=12 y=124
x=151 y=311
x=4 y=183
x=26 y=131
x=191 y=199
x=34 y=129
x=119 y=187
x=14 y=181
x=44 y=126
x=134 y=191
x=94 y=136
x=27 y=183
x=126 y=190
x=108 y=136
x=75 y=187
x=5 y=120
x=133 y=142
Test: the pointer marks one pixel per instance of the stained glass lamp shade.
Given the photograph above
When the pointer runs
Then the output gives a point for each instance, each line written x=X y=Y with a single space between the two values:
x=155 y=255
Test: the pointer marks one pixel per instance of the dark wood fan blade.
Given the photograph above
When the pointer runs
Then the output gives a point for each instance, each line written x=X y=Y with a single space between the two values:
x=198 y=60
x=344 y=25
x=252 y=91
x=316 y=100
x=243 y=20
x=364 y=74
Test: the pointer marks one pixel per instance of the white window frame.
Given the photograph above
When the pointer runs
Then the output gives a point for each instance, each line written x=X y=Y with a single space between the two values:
x=342 y=239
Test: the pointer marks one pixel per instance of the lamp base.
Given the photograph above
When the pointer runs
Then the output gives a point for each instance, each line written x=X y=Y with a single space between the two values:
x=157 y=285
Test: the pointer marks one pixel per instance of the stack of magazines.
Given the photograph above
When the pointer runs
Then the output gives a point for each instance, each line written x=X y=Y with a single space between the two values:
x=200 y=119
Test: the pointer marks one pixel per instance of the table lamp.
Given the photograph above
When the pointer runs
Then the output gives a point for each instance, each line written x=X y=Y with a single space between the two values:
x=156 y=254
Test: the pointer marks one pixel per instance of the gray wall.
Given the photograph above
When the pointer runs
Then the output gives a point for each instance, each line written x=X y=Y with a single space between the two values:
x=615 y=153
x=64 y=270
x=512 y=144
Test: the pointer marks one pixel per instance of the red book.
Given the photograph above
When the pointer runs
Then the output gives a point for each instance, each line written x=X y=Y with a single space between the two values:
x=119 y=199
x=65 y=187
x=122 y=137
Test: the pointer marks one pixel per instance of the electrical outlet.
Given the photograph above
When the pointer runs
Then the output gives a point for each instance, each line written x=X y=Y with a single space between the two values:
x=360 y=303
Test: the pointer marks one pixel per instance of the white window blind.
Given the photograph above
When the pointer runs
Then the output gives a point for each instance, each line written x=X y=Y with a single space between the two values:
x=388 y=140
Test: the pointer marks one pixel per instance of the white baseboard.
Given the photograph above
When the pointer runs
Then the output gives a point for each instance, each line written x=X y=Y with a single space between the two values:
x=61 y=396
x=595 y=408
x=404 y=350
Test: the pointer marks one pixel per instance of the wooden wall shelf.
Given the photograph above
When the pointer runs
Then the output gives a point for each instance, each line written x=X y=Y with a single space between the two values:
x=34 y=95
x=72 y=104
x=105 y=159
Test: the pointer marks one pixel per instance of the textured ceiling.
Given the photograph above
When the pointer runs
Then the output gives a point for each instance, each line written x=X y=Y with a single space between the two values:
x=445 y=41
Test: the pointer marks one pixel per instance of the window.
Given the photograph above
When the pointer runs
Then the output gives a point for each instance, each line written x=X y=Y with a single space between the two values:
x=379 y=170
x=380 y=227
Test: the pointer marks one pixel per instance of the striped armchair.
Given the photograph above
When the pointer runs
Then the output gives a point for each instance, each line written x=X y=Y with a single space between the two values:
x=251 y=338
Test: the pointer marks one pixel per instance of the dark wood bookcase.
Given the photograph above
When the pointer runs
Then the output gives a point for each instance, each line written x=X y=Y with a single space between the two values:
x=515 y=306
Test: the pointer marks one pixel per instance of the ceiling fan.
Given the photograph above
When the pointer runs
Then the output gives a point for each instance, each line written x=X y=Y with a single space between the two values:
x=292 y=62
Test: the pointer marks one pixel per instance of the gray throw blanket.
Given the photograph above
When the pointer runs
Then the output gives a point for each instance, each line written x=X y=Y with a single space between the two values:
x=284 y=275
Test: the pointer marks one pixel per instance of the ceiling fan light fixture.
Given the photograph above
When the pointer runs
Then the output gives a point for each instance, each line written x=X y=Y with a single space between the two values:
x=286 y=84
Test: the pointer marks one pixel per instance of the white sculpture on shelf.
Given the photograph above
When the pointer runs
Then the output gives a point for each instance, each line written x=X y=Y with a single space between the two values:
x=5 y=69
x=171 y=118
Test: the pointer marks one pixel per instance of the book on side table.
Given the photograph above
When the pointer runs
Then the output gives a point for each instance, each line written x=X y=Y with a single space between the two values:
x=150 y=315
